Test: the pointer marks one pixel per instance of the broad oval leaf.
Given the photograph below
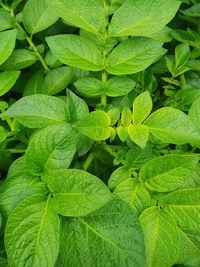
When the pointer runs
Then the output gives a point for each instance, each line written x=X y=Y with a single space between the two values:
x=7 y=44
x=142 y=107
x=134 y=193
x=95 y=125
x=111 y=236
x=134 y=55
x=81 y=13
x=161 y=237
x=142 y=17
x=32 y=234
x=184 y=205
x=172 y=126
x=76 y=51
x=139 y=134
x=15 y=189
x=169 y=172
x=7 y=80
x=76 y=192
x=37 y=16
x=52 y=147
x=38 y=111
x=118 y=86
x=89 y=86
x=119 y=175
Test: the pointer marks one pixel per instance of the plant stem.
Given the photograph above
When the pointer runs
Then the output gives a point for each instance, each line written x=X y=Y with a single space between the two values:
x=32 y=45
x=15 y=151
x=113 y=153
x=88 y=161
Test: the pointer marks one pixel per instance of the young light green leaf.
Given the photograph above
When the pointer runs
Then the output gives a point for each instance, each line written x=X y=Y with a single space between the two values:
x=134 y=55
x=142 y=107
x=143 y=17
x=114 y=230
x=118 y=86
x=7 y=80
x=7 y=44
x=126 y=116
x=182 y=55
x=122 y=132
x=89 y=86
x=95 y=125
x=184 y=205
x=119 y=175
x=76 y=192
x=76 y=51
x=3 y=133
x=139 y=134
x=136 y=157
x=194 y=113
x=81 y=13
x=134 y=193
x=37 y=16
x=172 y=126
x=169 y=172
x=6 y=20
x=32 y=234
x=161 y=237
x=57 y=79
x=19 y=59
x=52 y=147
x=76 y=106
x=38 y=111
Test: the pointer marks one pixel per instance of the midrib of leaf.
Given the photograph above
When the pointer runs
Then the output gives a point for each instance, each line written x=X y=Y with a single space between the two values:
x=69 y=194
x=38 y=22
x=45 y=117
x=182 y=206
x=42 y=222
x=102 y=237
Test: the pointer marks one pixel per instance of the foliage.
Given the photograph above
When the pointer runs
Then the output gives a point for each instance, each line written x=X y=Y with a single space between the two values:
x=100 y=133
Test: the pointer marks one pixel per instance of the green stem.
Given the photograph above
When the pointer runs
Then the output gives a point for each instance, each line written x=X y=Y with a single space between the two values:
x=113 y=153
x=32 y=45
x=15 y=151
x=88 y=161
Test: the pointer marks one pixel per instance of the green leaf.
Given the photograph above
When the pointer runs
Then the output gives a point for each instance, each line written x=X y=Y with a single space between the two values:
x=119 y=175
x=184 y=205
x=7 y=80
x=182 y=55
x=118 y=86
x=134 y=55
x=169 y=172
x=20 y=59
x=38 y=111
x=114 y=230
x=139 y=134
x=32 y=234
x=142 y=107
x=6 y=20
x=35 y=84
x=161 y=237
x=142 y=17
x=134 y=193
x=77 y=107
x=49 y=150
x=7 y=44
x=122 y=132
x=126 y=116
x=76 y=51
x=136 y=157
x=95 y=125
x=76 y=192
x=15 y=189
x=189 y=253
x=37 y=16
x=3 y=133
x=193 y=11
x=194 y=113
x=172 y=126
x=89 y=86
x=57 y=79
x=81 y=13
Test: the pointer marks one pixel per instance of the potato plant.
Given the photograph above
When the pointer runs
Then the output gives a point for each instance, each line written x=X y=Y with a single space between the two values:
x=99 y=133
